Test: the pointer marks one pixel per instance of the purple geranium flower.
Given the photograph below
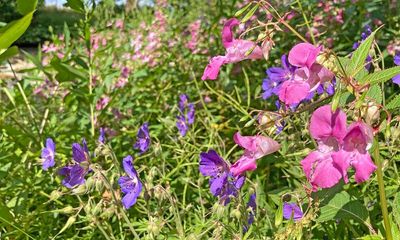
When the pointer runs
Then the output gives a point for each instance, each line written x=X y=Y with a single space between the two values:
x=276 y=76
x=292 y=211
x=75 y=173
x=396 y=79
x=181 y=124
x=143 y=138
x=102 y=136
x=252 y=206
x=48 y=154
x=186 y=115
x=130 y=184
x=222 y=183
x=80 y=153
x=364 y=35
x=190 y=113
x=183 y=101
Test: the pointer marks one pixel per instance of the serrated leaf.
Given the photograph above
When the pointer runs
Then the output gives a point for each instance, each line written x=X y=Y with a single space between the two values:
x=375 y=92
x=394 y=103
x=66 y=72
x=340 y=206
x=345 y=98
x=14 y=30
x=26 y=6
x=381 y=76
x=360 y=55
x=12 y=51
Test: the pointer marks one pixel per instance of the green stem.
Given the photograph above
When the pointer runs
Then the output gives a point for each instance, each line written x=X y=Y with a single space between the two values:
x=382 y=195
x=307 y=23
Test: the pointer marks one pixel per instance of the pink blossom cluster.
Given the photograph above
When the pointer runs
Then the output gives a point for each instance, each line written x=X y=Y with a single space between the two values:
x=194 y=30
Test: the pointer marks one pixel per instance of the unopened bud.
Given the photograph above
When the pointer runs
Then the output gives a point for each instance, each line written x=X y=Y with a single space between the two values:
x=236 y=214
x=54 y=195
x=67 y=210
x=218 y=209
x=99 y=185
x=79 y=190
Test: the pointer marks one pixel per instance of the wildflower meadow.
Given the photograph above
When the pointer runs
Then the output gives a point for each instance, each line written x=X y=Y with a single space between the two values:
x=200 y=119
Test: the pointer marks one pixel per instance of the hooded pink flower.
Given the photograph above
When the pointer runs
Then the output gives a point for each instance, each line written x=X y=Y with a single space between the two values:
x=339 y=148
x=255 y=147
x=308 y=75
x=236 y=50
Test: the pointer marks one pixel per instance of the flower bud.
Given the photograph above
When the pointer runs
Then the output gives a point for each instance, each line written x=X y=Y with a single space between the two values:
x=67 y=210
x=236 y=214
x=54 y=195
x=371 y=114
x=79 y=190
x=90 y=183
x=218 y=210
x=99 y=185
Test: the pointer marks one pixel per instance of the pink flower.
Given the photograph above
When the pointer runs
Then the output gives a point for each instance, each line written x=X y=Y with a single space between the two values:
x=307 y=77
x=255 y=147
x=236 y=50
x=303 y=55
x=339 y=148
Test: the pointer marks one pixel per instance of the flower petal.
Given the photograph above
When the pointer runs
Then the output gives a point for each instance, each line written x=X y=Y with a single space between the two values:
x=212 y=69
x=127 y=164
x=293 y=92
x=245 y=163
x=291 y=210
x=325 y=124
x=211 y=164
x=227 y=35
x=363 y=166
x=303 y=55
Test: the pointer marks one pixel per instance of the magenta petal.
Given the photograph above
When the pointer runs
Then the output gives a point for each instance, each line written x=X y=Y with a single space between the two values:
x=342 y=162
x=293 y=92
x=212 y=69
x=246 y=142
x=303 y=55
x=321 y=170
x=359 y=138
x=240 y=50
x=227 y=35
x=256 y=146
x=245 y=163
x=325 y=124
x=363 y=166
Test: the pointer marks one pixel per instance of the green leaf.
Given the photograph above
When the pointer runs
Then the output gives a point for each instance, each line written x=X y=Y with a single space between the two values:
x=6 y=216
x=394 y=103
x=241 y=11
x=14 y=30
x=26 y=6
x=76 y=5
x=375 y=93
x=360 y=55
x=279 y=214
x=12 y=51
x=340 y=206
x=250 y=13
x=66 y=72
x=381 y=76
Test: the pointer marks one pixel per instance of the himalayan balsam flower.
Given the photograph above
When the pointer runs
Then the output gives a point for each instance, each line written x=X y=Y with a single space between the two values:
x=292 y=211
x=48 y=154
x=255 y=147
x=143 y=138
x=396 y=79
x=130 y=184
x=75 y=174
x=222 y=183
x=339 y=148
x=236 y=50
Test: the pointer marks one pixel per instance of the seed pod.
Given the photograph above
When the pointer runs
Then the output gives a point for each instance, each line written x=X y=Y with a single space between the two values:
x=54 y=195
x=236 y=214
x=79 y=190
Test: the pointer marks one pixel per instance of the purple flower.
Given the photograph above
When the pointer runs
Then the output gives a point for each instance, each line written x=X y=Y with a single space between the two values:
x=252 y=206
x=181 y=125
x=143 y=138
x=102 y=136
x=74 y=175
x=222 y=183
x=130 y=184
x=186 y=115
x=80 y=153
x=190 y=113
x=364 y=35
x=292 y=211
x=48 y=154
x=183 y=101
x=276 y=76
x=396 y=79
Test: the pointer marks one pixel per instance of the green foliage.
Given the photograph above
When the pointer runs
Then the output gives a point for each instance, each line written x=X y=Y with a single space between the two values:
x=26 y=6
x=14 y=30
